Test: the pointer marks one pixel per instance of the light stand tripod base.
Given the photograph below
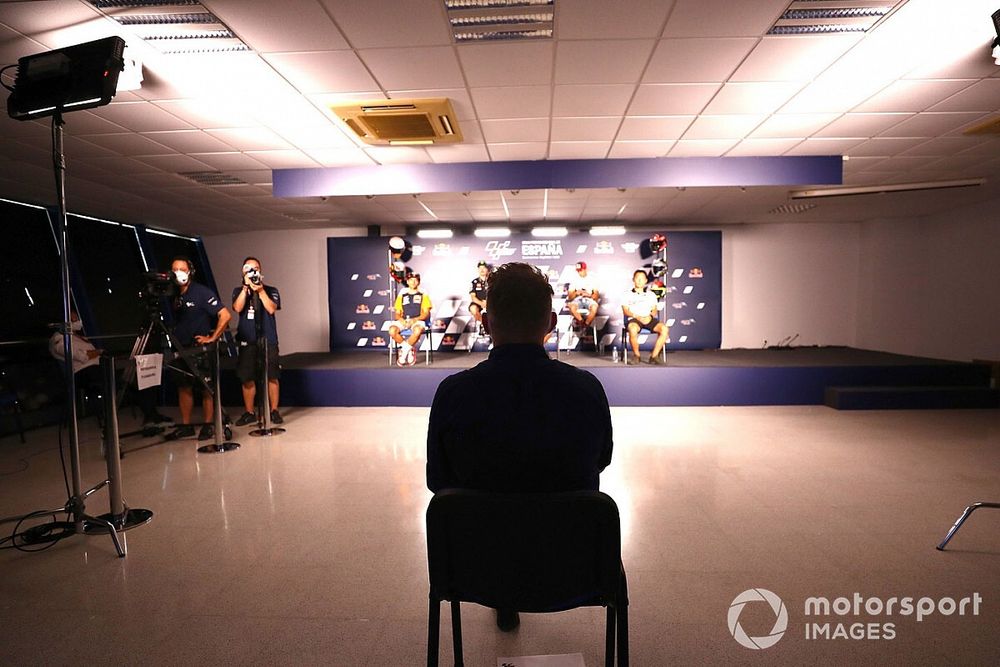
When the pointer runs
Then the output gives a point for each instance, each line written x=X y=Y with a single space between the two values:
x=127 y=521
x=264 y=432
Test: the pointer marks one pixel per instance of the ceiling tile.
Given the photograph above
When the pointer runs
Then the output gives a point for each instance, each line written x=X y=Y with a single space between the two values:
x=884 y=147
x=793 y=57
x=753 y=147
x=930 y=124
x=141 y=117
x=459 y=153
x=912 y=95
x=429 y=67
x=600 y=19
x=671 y=99
x=591 y=100
x=387 y=23
x=723 y=18
x=654 y=128
x=398 y=154
x=627 y=149
x=339 y=157
x=982 y=96
x=250 y=138
x=174 y=163
x=283 y=159
x=793 y=125
x=84 y=122
x=824 y=146
x=289 y=25
x=208 y=114
x=187 y=141
x=755 y=98
x=601 y=61
x=76 y=147
x=948 y=146
x=132 y=144
x=562 y=150
x=513 y=131
x=513 y=102
x=696 y=60
x=513 y=64
x=329 y=135
x=229 y=161
x=722 y=127
x=602 y=128
x=702 y=148
x=862 y=124
x=526 y=151
x=323 y=71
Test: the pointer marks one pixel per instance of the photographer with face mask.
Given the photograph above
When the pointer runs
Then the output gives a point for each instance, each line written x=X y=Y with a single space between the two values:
x=199 y=319
x=256 y=304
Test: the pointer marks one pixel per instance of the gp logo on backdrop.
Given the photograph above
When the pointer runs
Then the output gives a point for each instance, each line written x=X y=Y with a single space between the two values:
x=780 y=618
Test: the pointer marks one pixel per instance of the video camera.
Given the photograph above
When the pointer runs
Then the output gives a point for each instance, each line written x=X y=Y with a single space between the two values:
x=159 y=284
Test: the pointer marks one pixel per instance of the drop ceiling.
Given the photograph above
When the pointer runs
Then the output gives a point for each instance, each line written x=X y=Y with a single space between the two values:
x=631 y=78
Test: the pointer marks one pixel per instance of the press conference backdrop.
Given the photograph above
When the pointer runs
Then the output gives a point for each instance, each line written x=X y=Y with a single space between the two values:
x=360 y=312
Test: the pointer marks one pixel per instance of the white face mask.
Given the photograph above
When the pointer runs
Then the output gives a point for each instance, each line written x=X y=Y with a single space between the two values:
x=181 y=277
x=76 y=326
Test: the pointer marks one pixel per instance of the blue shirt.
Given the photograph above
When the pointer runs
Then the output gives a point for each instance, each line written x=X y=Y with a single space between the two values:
x=196 y=312
x=519 y=422
x=246 y=330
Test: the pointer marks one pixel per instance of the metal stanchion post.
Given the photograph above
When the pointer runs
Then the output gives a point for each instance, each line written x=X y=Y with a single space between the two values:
x=266 y=429
x=222 y=443
x=121 y=517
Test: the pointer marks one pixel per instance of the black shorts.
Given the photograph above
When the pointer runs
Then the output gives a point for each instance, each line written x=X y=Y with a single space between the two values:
x=246 y=364
x=197 y=362
x=652 y=324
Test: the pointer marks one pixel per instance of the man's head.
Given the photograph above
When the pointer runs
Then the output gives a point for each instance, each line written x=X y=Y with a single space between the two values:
x=639 y=278
x=182 y=270
x=483 y=268
x=581 y=269
x=520 y=304
x=413 y=281
x=251 y=263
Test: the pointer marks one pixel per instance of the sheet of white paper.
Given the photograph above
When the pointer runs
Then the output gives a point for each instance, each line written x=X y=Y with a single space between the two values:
x=149 y=368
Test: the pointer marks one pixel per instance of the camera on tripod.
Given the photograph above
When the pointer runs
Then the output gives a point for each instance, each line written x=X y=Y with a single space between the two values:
x=158 y=285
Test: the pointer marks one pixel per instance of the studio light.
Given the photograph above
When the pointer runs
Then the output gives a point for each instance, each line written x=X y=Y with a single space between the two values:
x=996 y=42
x=70 y=79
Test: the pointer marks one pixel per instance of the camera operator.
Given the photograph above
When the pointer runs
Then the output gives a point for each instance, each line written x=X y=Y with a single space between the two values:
x=256 y=304
x=199 y=319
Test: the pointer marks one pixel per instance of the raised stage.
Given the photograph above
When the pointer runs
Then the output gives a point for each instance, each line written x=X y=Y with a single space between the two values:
x=773 y=376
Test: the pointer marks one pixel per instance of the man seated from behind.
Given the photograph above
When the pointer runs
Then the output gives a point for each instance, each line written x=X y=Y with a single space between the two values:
x=501 y=426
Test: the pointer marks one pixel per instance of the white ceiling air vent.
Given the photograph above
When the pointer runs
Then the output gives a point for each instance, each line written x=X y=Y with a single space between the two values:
x=500 y=20
x=213 y=178
x=401 y=122
x=817 y=17
x=791 y=208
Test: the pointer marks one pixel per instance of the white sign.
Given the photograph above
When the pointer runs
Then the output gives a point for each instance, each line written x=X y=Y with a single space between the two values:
x=148 y=369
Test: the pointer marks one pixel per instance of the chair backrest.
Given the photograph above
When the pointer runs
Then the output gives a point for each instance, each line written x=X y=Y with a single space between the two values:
x=528 y=552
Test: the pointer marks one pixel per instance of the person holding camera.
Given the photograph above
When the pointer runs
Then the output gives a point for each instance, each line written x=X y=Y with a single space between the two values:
x=256 y=304
x=199 y=319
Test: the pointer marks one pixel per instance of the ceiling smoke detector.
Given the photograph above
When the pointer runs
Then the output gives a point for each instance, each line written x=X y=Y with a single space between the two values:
x=500 y=20
x=401 y=122
x=817 y=17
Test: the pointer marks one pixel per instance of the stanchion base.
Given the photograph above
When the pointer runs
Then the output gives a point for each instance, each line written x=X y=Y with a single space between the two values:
x=220 y=448
x=127 y=521
x=265 y=432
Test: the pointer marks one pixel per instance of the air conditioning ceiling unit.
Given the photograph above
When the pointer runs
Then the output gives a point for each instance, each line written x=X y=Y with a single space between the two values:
x=401 y=122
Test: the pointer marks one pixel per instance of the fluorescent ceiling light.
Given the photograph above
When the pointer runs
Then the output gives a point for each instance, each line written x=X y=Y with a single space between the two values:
x=806 y=17
x=881 y=189
x=549 y=231
x=607 y=231
x=434 y=233
x=486 y=20
x=491 y=232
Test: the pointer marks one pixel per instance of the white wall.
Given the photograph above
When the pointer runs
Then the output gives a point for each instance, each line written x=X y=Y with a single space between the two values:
x=294 y=261
x=931 y=287
x=785 y=279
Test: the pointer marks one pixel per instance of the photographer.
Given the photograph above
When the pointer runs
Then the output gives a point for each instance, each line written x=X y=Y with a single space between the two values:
x=199 y=319
x=256 y=304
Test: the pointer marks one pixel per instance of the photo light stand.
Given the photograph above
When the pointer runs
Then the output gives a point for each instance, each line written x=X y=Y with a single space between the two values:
x=48 y=85
x=266 y=429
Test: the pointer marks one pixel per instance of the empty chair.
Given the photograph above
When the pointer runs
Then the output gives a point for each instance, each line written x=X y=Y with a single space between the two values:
x=535 y=553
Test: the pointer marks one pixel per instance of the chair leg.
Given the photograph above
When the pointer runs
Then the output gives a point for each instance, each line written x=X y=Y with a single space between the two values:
x=433 y=632
x=609 y=638
x=456 y=632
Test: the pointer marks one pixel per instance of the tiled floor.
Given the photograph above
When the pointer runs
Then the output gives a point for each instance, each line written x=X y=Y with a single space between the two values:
x=308 y=548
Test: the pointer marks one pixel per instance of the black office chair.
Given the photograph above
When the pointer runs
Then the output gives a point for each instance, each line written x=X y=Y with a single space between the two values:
x=535 y=553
